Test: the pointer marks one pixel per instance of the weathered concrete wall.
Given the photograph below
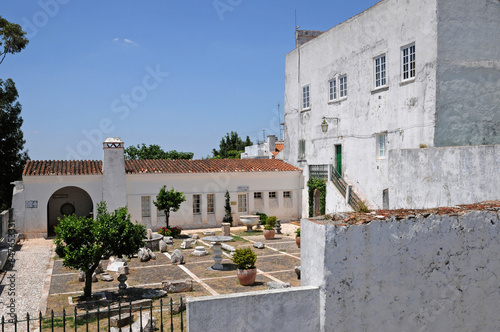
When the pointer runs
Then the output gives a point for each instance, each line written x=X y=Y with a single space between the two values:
x=426 y=274
x=292 y=309
x=424 y=178
x=468 y=73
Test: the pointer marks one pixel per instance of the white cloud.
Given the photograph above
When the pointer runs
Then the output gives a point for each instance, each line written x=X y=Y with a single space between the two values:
x=125 y=41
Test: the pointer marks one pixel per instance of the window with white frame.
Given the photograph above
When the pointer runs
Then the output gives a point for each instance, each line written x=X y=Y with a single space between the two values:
x=146 y=206
x=332 y=89
x=210 y=203
x=381 y=145
x=305 y=97
x=272 y=194
x=242 y=202
x=287 y=194
x=257 y=195
x=408 y=62
x=380 y=71
x=343 y=86
x=302 y=149
x=196 y=204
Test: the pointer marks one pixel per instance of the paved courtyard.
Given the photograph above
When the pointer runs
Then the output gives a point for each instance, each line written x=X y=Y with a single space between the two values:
x=275 y=262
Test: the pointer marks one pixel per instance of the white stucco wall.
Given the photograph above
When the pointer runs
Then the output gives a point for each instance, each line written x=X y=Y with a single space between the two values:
x=438 y=273
x=217 y=183
x=424 y=178
x=33 y=221
x=405 y=110
x=292 y=309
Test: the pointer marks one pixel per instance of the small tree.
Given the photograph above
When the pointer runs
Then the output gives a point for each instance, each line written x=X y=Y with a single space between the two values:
x=228 y=217
x=169 y=200
x=83 y=241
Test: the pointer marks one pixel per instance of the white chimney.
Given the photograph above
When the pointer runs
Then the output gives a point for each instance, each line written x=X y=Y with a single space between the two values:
x=114 y=185
x=271 y=143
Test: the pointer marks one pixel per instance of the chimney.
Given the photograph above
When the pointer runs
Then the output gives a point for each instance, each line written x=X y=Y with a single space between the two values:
x=303 y=36
x=271 y=143
x=114 y=185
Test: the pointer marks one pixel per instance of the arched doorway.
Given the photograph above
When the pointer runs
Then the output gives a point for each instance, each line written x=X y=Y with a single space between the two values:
x=67 y=201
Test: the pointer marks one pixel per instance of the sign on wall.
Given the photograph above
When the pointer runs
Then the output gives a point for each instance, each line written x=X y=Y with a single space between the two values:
x=242 y=188
x=31 y=204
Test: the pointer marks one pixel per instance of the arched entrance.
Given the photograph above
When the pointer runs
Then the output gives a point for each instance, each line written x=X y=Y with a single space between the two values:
x=67 y=201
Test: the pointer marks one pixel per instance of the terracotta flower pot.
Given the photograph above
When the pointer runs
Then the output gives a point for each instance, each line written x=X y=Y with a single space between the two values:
x=247 y=277
x=269 y=233
x=297 y=240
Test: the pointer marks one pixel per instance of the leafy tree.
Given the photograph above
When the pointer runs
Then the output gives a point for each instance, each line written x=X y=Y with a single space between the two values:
x=228 y=217
x=12 y=156
x=12 y=38
x=169 y=200
x=154 y=151
x=83 y=241
x=231 y=146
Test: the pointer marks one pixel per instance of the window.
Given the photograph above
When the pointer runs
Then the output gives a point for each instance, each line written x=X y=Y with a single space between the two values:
x=257 y=195
x=210 y=203
x=146 y=206
x=305 y=97
x=381 y=148
x=196 y=204
x=343 y=86
x=332 y=94
x=408 y=62
x=302 y=149
x=272 y=194
x=242 y=203
x=379 y=70
x=287 y=194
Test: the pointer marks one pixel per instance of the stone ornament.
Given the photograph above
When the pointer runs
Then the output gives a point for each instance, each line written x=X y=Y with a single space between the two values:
x=177 y=257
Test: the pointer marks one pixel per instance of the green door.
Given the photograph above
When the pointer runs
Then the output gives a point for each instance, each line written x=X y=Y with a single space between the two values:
x=338 y=159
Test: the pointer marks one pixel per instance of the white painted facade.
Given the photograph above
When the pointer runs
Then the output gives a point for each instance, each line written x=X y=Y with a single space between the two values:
x=453 y=98
x=39 y=199
x=263 y=150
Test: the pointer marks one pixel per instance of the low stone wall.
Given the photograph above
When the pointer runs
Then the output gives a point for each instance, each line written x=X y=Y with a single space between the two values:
x=432 y=177
x=289 y=309
x=439 y=273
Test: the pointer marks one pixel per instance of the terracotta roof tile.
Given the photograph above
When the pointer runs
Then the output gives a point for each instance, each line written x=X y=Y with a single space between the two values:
x=89 y=167
x=63 y=167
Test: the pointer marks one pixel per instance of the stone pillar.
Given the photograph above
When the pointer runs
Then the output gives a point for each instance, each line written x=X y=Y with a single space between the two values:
x=226 y=229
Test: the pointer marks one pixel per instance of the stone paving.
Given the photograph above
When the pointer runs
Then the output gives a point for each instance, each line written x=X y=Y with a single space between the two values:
x=275 y=262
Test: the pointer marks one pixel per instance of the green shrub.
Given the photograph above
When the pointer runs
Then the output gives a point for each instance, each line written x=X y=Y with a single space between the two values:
x=263 y=217
x=245 y=258
x=270 y=222
x=297 y=231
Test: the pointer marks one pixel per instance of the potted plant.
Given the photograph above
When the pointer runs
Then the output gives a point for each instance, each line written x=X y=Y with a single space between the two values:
x=297 y=237
x=245 y=259
x=269 y=230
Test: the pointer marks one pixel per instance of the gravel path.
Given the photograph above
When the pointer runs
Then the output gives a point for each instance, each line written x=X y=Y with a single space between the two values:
x=26 y=283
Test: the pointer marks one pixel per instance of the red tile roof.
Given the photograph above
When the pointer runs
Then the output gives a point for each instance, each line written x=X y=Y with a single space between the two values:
x=62 y=167
x=88 y=167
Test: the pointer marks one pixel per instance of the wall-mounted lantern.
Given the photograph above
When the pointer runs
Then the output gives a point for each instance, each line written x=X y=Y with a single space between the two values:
x=324 y=124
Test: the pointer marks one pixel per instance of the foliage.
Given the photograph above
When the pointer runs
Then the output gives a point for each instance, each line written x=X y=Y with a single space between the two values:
x=154 y=151
x=363 y=207
x=228 y=217
x=81 y=241
x=263 y=217
x=319 y=184
x=170 y=231
x=270 y=222
x=12 y=38
x=169 y=200
x=12 y=156
x=245 y=258
x=297 y=232
x=231 y=146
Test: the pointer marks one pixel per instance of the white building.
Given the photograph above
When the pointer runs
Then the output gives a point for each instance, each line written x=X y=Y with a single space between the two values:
x=264 y=150
x=401 y=79
x=51 y=189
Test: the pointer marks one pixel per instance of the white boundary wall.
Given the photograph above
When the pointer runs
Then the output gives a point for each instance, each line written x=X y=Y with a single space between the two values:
x=290 y=309
x=439 y=273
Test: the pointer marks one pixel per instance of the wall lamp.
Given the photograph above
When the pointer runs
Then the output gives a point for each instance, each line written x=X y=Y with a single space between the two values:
x=324 y=124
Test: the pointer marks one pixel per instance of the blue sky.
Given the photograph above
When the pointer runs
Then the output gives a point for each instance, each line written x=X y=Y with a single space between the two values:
x=176 y=73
